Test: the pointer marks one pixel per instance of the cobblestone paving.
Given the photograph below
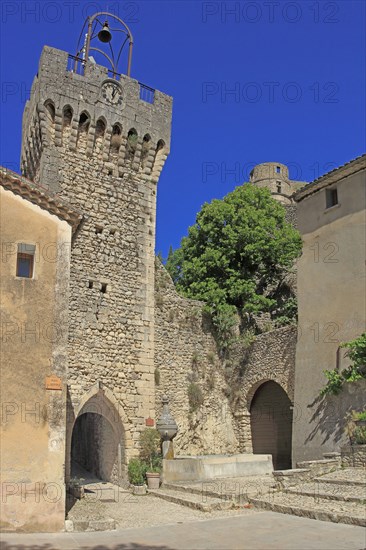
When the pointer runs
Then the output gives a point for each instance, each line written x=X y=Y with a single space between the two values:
x=354 y=475
x=316 y=504
x=143 y=511
x=337 y=491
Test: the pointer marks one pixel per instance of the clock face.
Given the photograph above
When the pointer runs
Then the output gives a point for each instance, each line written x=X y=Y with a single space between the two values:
x=112 y=92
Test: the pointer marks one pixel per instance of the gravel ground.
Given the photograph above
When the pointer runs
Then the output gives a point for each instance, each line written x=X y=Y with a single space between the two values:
x=143 y=511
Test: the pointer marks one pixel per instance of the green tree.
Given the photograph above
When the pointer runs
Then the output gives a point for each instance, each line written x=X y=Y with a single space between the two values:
x=173 y=262
x=237 y=255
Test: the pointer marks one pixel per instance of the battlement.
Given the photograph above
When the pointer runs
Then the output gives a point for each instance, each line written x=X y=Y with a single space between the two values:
x=75 y=103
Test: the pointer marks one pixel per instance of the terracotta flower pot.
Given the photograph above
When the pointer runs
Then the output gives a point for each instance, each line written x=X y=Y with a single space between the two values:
x=153 y=480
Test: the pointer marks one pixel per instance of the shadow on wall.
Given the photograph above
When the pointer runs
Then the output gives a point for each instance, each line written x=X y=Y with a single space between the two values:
x=329 y=416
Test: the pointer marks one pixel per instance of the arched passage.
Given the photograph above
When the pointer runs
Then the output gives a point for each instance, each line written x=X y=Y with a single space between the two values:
x=97 y=441
x=95 y=447
x=271 y=424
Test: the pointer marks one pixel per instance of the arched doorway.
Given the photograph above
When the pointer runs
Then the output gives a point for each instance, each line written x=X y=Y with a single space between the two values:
x=95 y=447
x=271 y=424
x=97 y=441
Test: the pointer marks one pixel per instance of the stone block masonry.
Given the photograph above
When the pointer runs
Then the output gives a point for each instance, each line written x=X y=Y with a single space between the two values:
x=105 y=159
x=186 y=353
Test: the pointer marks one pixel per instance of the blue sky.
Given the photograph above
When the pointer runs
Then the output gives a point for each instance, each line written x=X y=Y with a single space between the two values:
x=252 y=81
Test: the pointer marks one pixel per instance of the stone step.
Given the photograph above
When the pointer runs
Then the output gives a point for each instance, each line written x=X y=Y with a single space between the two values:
x=314 y=508
x=196 y=501
x=347 y=492
x=345 y=476
x=321 y=466
x=237 y=490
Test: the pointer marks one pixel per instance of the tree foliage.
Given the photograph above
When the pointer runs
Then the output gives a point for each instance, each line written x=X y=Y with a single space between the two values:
x=236 y=255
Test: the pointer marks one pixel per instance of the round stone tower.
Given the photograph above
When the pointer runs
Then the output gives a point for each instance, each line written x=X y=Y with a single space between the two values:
x=275 y=177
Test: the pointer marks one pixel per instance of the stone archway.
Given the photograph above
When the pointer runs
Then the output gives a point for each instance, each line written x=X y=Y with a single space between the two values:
x=95 y=447
x=97 y=439
x=271 y=423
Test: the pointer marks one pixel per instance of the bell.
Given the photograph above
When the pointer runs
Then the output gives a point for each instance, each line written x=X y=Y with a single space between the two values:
x=104 y=35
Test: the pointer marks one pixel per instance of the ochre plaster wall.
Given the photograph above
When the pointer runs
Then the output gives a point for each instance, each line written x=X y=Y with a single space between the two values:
x=331 y=298
x=33 y=346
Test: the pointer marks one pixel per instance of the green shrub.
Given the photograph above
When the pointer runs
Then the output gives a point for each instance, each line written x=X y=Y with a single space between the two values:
x=334 y=384
x=359 y=435
x=357 y=353
x=359 y=415
x=195 y=396
x=136 y=471
x=150 y=449
x=224 y=321
x=247 y=338
x=211 y=356
x=196 y=358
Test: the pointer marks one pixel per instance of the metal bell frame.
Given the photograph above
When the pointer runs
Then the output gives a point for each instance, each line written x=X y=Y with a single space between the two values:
x=95 y=27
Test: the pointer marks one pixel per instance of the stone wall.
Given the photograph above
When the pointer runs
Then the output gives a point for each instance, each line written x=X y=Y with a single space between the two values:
x=270 y=357
x=354 y=456
x=291 y=214
x=186 y=353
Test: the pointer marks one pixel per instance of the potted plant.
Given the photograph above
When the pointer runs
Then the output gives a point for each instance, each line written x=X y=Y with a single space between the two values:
x=136 y=476
x=150 y=454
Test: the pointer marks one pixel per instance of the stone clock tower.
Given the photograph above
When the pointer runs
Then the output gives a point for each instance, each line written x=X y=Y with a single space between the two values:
x=100 y=144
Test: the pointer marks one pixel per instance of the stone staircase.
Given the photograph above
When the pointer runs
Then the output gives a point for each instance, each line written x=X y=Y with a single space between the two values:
x=201 y=502
x=320 y=499
x=318 y=489
x=219 y=494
